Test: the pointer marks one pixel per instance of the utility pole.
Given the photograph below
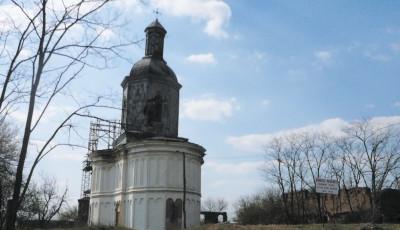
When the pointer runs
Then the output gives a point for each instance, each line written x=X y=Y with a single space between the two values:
x=184 y=190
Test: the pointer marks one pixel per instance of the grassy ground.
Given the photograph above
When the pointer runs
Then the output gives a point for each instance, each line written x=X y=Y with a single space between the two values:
x=294 y=227
x=266 y=227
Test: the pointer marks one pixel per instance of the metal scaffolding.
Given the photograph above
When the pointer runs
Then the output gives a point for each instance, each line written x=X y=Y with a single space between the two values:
x=102 y=135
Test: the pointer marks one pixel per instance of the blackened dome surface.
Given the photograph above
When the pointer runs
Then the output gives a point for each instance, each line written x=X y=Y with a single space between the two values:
x=155 y=24
x=154 y=68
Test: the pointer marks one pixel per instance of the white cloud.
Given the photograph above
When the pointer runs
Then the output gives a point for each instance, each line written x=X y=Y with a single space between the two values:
x=376 y=56
x=25 y=53
x=369 y=106
x=257 y=142
x=392 y=30
x=322 y=59
x=60 y=152
x=128 y=5
x=207 y=58
x=216 y=13
x=233 y=57
x=209 y=108
x=106 y=34
x=37 y=144
x=385 y=121
x=296 y=73
x=266 y=102
x=395 y=46
x=51 y=113
x=237 y=36
x=334 y=127
x=180 y=78
x=68 y=156
x=84 y=6
x=10 y=16
x=260 y=55
x=323 y=55
x=233 y=168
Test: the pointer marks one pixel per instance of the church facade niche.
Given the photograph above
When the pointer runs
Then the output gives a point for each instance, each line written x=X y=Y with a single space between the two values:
x=151 y=175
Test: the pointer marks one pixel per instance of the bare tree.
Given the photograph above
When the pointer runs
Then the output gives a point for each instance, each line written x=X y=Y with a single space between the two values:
x=69 y=214
x=374 y=154
x=318 y=148
x=8 y=156
x=214 y=205
x=261 y=208
x=41 y=57
x=297 y=161
x=288 y=170
x=366 y=155
x=29 y=207
x=345 y=166
x=49 y=201
x=337 y=169
x=275 y=170
x=42 y=202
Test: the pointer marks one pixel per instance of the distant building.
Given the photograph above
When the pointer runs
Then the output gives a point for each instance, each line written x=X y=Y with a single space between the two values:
x=151 y=178
x=347 y=200
x=350 y=205
x=350 y=200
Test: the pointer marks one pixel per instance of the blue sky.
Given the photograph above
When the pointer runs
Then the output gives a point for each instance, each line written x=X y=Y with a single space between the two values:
x=251 y=70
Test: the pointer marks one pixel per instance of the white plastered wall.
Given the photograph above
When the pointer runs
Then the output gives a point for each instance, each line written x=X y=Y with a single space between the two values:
x=140 y=178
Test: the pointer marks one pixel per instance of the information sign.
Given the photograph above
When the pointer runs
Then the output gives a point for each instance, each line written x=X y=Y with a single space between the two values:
x=327 y=186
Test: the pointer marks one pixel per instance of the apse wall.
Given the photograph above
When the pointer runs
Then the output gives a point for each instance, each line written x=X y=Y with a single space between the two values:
x=131 y=185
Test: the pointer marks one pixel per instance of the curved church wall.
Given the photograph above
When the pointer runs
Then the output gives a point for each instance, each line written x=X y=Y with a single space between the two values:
x=132 y=188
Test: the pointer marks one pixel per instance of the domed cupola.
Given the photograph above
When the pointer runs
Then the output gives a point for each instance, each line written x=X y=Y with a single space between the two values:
x=155 y=34
x=151 y=91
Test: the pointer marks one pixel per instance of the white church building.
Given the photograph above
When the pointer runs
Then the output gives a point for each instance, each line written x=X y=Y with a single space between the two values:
x=151 y=178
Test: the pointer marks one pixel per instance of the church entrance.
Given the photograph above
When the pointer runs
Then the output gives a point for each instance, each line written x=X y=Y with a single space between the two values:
x=173 y=214
x=118 y=215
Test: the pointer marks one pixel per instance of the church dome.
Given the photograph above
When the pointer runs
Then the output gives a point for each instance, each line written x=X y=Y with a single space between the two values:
x=149 y=67
x=155 y=25
x=152 y=65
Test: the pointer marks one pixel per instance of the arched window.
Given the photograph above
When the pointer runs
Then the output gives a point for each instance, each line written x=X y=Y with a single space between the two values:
x=173 y=214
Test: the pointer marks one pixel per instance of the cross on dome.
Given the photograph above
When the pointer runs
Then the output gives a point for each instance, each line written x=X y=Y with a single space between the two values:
x=157 y=13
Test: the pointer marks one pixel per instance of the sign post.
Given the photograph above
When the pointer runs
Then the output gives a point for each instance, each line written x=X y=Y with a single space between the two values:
x=326 y=186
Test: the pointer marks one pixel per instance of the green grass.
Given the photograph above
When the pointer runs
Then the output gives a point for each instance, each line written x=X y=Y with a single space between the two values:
x=294 y=227
x=93 y=228
x=262 y=227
